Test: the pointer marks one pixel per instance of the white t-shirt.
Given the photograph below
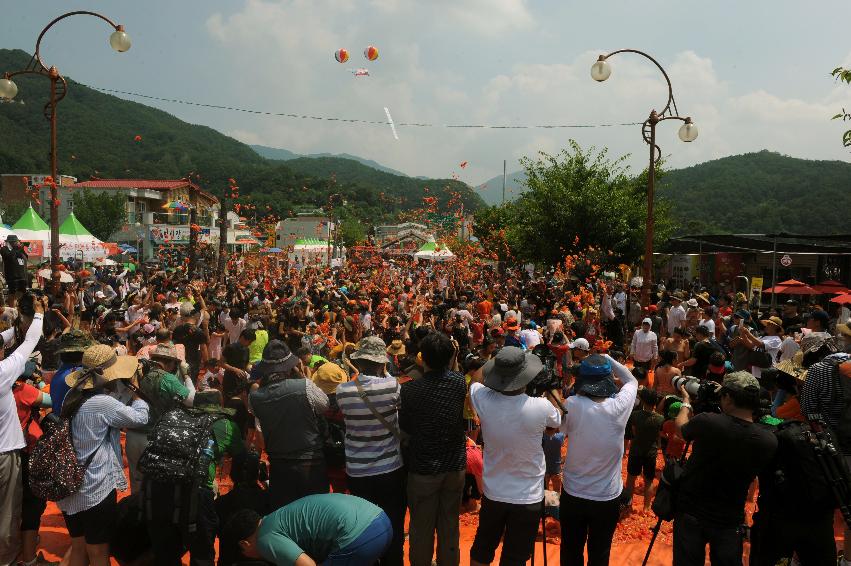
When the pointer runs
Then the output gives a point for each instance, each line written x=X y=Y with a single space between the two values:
x=772 y=348
x=676 y=315
x=512 y=429
x=530 y=337
x=788 y=349
x=592 y=468
x=234 y=329
x=708 y=323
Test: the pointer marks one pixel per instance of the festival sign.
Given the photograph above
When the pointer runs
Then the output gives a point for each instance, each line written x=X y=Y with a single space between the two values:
x=177 y=234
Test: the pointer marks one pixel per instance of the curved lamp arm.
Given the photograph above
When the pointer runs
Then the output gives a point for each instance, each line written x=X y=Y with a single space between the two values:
x=37 y=54
x=671 y=101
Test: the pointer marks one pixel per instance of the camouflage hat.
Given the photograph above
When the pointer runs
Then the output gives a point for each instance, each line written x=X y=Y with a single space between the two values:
x=74 y=341
x=740 y=380
x=371 y=349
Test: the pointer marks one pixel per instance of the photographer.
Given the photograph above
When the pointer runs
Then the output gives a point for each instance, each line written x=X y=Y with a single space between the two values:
x=512 y=426
x=14 y=267
x=11 y=434
x=595 y=423
x=729 y=450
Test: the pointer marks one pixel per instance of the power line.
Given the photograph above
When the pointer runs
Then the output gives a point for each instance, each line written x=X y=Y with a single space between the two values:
x=358 y=120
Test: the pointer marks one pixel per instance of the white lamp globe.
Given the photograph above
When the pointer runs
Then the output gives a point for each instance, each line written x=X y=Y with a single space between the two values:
x=600 y=71
x=119 y=40
x=8 y=89
x=688 y=132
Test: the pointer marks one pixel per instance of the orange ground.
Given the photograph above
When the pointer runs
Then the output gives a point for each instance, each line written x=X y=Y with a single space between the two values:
x=630 y=543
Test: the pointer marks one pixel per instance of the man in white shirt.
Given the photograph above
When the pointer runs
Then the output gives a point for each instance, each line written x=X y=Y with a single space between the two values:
x=11 y=434
x=676 y=314
x=513 y=425
x=645 y=346
x=233 y=324
x=530 y=335
x=595 y=422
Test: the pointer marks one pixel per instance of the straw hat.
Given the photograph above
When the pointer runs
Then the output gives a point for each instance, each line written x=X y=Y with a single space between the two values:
x=775 y=320
x=396 y=348
x=793 y=367
x=100 y=361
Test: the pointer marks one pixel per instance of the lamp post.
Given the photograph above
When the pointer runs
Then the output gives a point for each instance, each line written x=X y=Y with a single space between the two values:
x=600 y=71
x=120 y=42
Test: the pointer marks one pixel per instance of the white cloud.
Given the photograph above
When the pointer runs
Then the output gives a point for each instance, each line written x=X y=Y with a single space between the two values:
x=278 y=57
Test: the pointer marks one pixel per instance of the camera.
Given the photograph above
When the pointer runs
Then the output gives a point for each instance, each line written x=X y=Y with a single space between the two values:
x=547 y=380
x=705 y=394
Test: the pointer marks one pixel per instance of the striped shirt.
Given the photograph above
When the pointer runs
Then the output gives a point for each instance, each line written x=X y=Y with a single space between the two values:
x=96 y=429
x=821 y=397
x=371 y=449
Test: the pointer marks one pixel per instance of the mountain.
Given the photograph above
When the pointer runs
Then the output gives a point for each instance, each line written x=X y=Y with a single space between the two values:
x=760 y=193
x=756 y=193
x=274 y=153
x=287 y=155
x=491 y=190
x=98 y=135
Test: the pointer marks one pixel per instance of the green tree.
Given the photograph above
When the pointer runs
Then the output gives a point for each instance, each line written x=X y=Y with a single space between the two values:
x=578 y=199
x=352 y=231
x=103 y=214
x=844 y=75
x=11 y=211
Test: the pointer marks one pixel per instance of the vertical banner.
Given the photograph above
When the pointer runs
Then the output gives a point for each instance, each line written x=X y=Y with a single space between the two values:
x=756 y=285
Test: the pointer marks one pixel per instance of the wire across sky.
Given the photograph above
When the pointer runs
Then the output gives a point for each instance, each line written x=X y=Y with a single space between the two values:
x=359 y=120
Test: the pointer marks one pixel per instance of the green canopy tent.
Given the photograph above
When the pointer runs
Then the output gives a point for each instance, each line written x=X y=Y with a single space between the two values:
x=31 y=228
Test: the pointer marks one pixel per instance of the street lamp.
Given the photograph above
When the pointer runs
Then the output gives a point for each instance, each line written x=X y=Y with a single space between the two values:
x=119 y=41
x=600 y=71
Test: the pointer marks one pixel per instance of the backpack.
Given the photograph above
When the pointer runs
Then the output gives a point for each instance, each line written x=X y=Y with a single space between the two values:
x=179 y=448
x=54 y=470
x=800 y=485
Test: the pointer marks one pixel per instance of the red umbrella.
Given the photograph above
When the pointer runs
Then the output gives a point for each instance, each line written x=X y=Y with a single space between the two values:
x=792 y=287
x=831 y=287
x=842 y=299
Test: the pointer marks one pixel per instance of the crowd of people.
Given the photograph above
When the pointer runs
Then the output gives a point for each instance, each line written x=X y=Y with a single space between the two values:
x=297 y=416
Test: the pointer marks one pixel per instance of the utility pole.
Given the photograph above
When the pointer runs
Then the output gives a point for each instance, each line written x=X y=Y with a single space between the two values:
x=503 y=181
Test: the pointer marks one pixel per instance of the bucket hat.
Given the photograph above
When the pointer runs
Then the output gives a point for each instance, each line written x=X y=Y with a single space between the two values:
x=511 y=369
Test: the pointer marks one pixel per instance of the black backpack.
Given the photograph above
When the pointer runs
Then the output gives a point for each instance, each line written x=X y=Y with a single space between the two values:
x=799 y=486
x=180 y=447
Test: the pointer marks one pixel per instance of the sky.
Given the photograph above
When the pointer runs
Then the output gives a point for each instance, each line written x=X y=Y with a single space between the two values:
x=753 y=75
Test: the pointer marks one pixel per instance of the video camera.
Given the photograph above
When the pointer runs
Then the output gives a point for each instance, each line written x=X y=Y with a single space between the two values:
x=547 y=379
x=705 y=394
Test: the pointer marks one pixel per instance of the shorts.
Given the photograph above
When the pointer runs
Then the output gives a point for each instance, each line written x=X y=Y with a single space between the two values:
x=516 y=524
x=32 y=507
x=641 y=465
x=94 y=524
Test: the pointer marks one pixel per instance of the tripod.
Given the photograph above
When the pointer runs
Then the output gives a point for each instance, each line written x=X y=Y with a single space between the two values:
x=659 y=522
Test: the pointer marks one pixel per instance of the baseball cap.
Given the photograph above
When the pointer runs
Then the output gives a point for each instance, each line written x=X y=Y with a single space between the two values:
x=743 y=314
x=581 y=344
x=820 y=316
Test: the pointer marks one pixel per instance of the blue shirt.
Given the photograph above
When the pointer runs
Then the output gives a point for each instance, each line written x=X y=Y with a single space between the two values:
x=58 y=387
x=552 y=449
